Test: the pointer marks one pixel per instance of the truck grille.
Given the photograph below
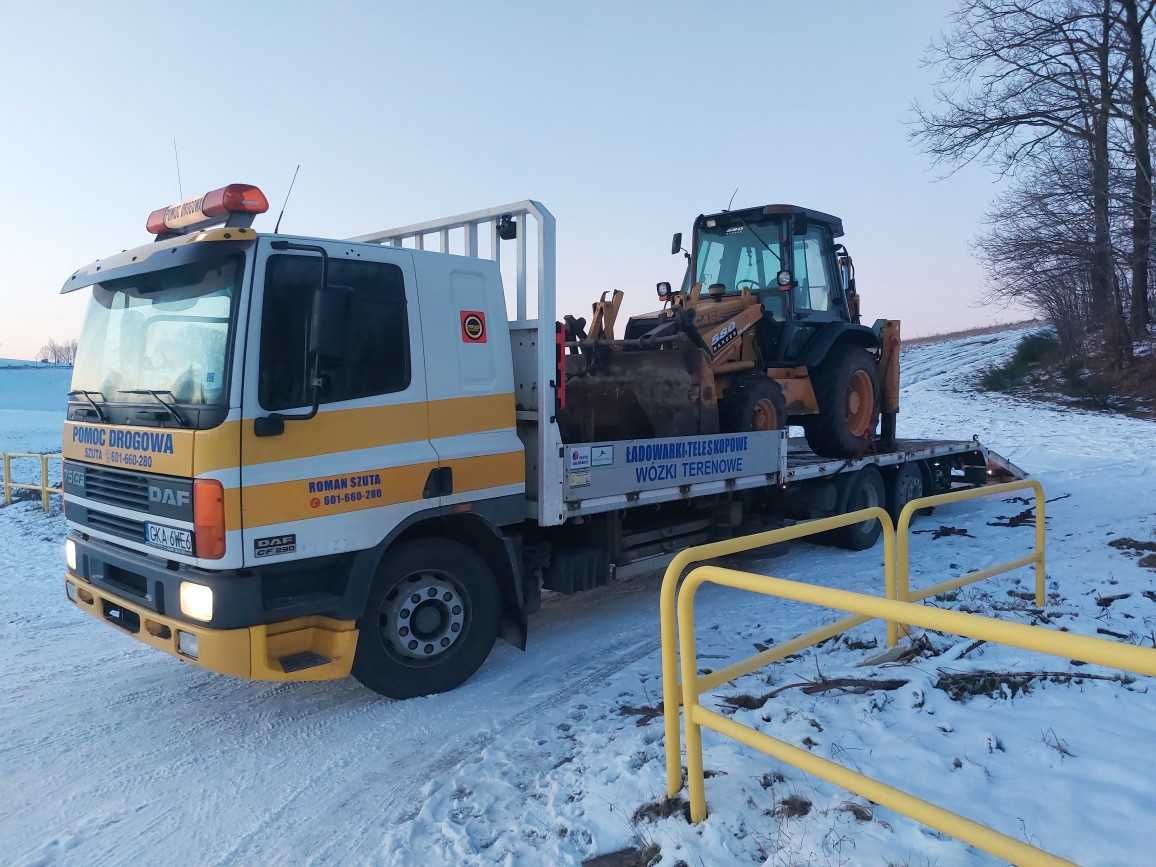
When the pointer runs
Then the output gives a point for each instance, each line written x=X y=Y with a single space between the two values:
x=116 y=487
x=115 y=524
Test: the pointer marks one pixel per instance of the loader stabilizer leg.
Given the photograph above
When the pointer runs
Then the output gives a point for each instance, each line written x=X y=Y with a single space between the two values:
x=889 y=342
x=887 y=440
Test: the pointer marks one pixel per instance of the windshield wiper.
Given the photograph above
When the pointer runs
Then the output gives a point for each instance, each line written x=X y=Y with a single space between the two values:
x=759 y=238
x=156 y=394
x=87 y=395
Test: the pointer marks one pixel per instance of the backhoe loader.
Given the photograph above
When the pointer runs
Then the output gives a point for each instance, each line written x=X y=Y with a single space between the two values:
x=764 y=332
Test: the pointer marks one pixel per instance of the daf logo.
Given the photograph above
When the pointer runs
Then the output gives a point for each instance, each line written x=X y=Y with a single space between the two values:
x=169 y=497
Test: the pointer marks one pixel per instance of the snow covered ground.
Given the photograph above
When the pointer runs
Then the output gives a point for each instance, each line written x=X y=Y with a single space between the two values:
x=111 y=752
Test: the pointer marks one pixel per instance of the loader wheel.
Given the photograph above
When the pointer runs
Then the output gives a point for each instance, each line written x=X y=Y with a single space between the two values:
x=859 y=490
x=430 y=622
x=847 y=388
x=754 y=403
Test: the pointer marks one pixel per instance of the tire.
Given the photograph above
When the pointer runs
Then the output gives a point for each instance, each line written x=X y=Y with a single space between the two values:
x=753 y=403
x=442 y=645
x=903 y=486
x=858 y=490
x=847 y=389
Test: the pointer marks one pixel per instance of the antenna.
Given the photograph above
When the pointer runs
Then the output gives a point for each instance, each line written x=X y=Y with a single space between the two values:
x=732 y=201
x=177 y=157
x=288 y=192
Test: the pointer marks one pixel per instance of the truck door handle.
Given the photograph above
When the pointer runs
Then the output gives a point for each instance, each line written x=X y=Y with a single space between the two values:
x=439 y=483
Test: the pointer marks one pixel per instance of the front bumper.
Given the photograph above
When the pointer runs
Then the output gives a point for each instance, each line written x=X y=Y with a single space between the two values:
x=303 y=648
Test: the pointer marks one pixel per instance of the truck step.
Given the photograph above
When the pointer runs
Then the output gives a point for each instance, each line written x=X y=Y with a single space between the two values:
x=300 y=661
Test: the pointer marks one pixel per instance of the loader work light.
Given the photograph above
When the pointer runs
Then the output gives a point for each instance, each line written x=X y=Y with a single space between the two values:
x=236 y=205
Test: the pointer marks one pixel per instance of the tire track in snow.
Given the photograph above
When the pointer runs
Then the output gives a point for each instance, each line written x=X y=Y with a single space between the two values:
x=414 y=773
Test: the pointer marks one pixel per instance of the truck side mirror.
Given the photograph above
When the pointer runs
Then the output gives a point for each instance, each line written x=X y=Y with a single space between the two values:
x=676 y=244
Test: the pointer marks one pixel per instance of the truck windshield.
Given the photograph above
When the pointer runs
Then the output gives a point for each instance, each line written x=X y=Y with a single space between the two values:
x=165 y=331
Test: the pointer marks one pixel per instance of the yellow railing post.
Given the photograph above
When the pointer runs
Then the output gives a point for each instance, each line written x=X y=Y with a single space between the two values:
x=668 y=616
x=903 y=543
x=1063 y=644
x=8 y=485
x=1041 y=543
x=44 y=482
x=688 y=656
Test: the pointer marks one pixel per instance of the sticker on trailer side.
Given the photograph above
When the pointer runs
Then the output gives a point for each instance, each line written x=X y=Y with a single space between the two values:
x=626 y=466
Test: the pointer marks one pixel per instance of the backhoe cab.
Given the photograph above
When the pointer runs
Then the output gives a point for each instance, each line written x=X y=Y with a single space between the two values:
x=763 y=332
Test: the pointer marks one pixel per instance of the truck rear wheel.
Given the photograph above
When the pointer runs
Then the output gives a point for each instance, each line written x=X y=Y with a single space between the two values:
x=860 y=490
x=905 y=485
x=847 y=389
x=430 y=622
x=754 y=403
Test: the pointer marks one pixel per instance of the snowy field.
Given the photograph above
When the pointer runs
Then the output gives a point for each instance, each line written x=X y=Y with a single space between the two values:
x=111 y=753
x=32 y=398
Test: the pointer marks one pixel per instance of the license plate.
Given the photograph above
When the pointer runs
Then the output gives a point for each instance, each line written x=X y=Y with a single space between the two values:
x=169 y=538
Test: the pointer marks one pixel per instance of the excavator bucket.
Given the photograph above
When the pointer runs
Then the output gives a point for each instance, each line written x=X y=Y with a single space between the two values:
x=617 y=392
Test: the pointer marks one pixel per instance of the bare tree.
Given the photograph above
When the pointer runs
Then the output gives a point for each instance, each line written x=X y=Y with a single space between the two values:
x=1019 y=80
x=68 y=351
x=1138 y=66
x=58 y=352
x=1037 y=247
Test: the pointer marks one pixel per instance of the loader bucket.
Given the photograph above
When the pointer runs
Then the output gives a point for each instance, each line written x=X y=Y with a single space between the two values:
x=631 y=393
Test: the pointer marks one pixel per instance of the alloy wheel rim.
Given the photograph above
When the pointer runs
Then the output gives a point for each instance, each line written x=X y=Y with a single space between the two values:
x=423 y=616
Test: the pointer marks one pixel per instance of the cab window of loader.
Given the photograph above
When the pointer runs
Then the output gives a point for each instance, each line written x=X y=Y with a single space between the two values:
x=376 y=357
x=709 y=262
x=812 y=272
x=757 y=272
x=738 y=257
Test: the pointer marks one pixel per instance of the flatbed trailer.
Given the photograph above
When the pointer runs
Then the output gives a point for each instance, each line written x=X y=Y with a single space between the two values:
x=389 y=518
x=590 y=487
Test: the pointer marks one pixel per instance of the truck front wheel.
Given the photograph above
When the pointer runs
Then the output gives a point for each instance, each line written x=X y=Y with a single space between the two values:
x=430 y=622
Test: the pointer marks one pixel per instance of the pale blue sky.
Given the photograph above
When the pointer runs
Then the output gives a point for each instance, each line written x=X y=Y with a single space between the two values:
x=625 y=119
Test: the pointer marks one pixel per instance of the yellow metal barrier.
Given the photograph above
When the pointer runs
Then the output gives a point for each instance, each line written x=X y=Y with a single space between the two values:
x=903 y=533
x=1034 y=638
x=9 y=486
x=671 y=694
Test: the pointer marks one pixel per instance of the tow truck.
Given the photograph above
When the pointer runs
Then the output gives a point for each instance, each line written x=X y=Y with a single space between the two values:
x=292 y=458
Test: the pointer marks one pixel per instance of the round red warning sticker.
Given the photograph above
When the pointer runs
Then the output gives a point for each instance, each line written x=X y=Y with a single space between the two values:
x=473 y=326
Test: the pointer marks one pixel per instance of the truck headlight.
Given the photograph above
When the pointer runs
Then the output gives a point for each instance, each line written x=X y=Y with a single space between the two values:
x=70 y=554
x=197 y=601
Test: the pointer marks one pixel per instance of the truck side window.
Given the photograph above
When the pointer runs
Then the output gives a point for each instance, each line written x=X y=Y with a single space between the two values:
x=376 y=357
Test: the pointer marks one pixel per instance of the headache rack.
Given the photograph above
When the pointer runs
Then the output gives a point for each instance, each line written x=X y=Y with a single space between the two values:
x=532 y=340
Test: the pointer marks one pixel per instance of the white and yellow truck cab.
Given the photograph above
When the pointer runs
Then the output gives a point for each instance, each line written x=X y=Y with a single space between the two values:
x=296 y=458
